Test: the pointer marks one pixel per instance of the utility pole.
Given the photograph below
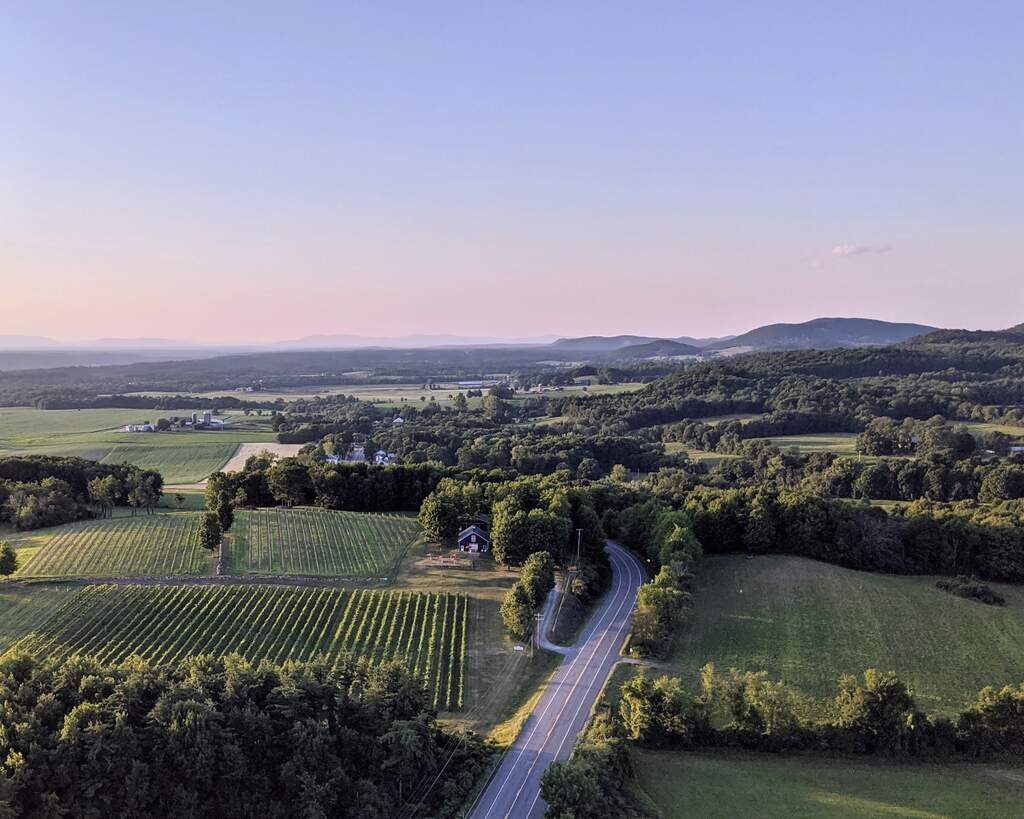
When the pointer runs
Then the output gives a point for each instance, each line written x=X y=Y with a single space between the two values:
x=579 y=542
x=535 y=643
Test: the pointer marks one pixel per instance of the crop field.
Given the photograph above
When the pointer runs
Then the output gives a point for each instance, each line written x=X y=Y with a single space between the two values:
x=319 y=542
x=720 y=786
x=180 y=456
x=164 y=624
x=184 y=463
x=154 y=545
x=807 y=623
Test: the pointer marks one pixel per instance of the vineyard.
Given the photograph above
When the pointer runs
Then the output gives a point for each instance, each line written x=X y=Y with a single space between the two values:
x=143 y=545
x=164 y=624
x=319 y=542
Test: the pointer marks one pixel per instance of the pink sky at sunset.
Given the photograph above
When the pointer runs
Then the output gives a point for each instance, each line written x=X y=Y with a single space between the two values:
x=192 y=175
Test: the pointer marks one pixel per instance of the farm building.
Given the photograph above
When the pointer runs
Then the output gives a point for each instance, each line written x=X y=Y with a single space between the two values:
x=474 y=539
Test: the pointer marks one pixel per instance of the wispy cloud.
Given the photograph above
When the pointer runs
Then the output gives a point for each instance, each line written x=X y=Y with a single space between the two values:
x=844 y=251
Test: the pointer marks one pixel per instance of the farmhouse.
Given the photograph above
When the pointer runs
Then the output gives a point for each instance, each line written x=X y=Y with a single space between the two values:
x=474 y=539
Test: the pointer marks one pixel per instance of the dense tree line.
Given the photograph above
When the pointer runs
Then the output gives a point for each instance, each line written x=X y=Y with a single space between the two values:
x=665 y=537
x=39 y=490
x=302 y=481
x=926 y=538
x=528 y=594
x=56 y=401
x=725 y=436
x=873 y=715
x=223 y=738
x=969 y=376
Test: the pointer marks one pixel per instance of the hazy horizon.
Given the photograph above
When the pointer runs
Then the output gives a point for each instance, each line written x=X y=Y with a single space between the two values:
x=192 y=173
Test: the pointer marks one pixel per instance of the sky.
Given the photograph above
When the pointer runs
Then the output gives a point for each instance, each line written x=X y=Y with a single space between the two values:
x=252 y=172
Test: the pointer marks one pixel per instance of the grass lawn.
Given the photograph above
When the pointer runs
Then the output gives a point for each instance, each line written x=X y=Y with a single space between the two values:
x=807 y=623
x=181 y=457
x=714 y=786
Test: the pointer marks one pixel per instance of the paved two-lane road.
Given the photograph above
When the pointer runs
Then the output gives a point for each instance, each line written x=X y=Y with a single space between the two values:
x=564 y=708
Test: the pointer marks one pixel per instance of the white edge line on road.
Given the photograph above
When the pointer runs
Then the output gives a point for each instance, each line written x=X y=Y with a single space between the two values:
x=616 y=642
x=538 y=718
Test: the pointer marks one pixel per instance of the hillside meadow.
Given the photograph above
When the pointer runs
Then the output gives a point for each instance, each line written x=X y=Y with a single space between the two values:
x=807 y=623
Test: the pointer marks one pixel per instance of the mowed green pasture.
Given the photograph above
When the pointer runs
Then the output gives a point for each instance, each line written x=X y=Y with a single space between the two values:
x=165 y=624
x=719 y=786
x=319 y=542
x=711 y=459
x=842 y=443
x=145 y=545
x=180 y=456
x=980 y=428
x=807 y=623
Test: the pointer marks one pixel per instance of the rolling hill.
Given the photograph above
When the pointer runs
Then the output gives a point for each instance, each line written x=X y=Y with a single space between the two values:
x=654 y=349
x=823 y=334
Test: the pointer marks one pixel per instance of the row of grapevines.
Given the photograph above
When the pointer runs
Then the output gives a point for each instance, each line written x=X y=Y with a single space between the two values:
x=143 y=545
x=165 y=624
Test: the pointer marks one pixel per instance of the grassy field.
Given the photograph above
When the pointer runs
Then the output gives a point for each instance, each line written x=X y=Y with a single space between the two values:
x=154 y=545
x=842 y=443
x=697 y=455
x=807 y=623
x=772 y=787
x=181 y=457
x=164 y=624
x=980 y=428
x=319 y=542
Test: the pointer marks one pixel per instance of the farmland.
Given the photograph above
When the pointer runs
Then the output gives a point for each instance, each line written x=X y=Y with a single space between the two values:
x=319 y=542
x=773 y=787
x=842 y=443
x=807 y=623
x=161 y=544
x=181 y=457
x=24 y=606
x=164 y=624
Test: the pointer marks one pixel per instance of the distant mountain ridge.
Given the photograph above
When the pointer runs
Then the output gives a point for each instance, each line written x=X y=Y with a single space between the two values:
x=824 y=334
x=661 y=348
x=601 y=343
x=820 y=333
